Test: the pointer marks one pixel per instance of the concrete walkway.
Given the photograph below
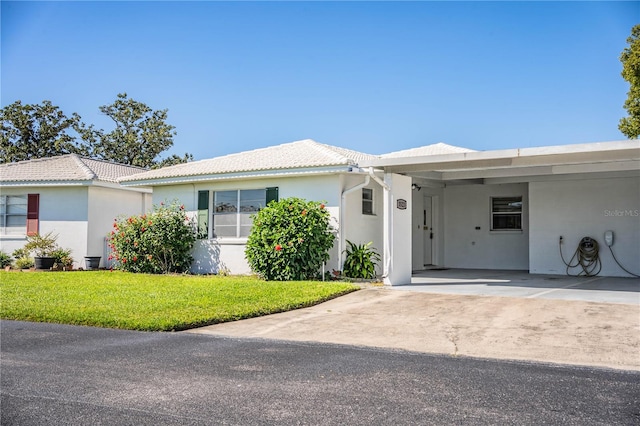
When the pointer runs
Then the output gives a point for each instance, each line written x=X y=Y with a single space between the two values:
x=532 y=327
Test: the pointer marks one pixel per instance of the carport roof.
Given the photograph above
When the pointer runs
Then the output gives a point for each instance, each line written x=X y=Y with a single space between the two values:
x=522 y=162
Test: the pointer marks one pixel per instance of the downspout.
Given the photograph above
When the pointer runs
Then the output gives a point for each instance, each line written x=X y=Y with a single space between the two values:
x=341 y=240
x=387 y=251
x=341 y=229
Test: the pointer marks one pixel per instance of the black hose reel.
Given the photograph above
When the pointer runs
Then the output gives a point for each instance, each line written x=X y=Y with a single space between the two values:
x=586 y=257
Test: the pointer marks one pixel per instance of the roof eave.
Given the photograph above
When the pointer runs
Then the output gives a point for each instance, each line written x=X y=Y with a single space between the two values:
x=296 y=172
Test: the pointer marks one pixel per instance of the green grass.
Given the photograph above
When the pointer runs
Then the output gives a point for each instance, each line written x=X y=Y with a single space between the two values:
x=151 y=302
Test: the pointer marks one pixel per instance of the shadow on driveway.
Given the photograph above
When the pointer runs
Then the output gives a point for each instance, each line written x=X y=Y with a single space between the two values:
x=523 y=284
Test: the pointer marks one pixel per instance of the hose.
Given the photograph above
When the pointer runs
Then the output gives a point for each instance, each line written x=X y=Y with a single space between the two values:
x=586 y=256
x=622 y=267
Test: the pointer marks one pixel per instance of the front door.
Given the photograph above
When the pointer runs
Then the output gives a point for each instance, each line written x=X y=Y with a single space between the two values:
x=428 y=231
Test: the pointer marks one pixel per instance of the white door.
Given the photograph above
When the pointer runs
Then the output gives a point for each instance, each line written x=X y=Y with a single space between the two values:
x=427 y=219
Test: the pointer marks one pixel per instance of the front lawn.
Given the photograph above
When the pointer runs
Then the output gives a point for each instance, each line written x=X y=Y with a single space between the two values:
x=151 y=302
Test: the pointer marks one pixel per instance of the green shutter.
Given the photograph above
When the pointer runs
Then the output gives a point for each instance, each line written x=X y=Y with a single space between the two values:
x=272 y=194
x=203 y=200
x=203 y=214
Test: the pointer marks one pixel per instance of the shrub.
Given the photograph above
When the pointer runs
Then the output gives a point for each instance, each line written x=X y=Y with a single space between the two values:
x=361 y=261
x=23 y=260
x=5 y=259
x=289 y=240
x=63 y=257
x=158 y=242
x=41 y=245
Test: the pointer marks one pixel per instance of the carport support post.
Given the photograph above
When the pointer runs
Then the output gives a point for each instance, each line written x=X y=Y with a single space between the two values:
x=397 y=230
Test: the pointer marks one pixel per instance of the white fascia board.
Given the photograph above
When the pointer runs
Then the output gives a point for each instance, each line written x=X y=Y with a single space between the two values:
x=563 y=177
x=115 y=185
x=241 y=176
x=509 y=157
x=31 y=183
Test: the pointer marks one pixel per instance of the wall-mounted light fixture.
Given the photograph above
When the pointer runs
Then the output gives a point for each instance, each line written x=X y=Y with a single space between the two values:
x=415 y=186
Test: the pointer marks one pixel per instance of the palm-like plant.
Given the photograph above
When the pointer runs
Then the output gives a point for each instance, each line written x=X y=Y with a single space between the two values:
x=361 y=261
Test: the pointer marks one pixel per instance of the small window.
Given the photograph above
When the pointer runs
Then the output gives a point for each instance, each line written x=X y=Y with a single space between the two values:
x=367 y=201
x=13 y=214
x=506 y=213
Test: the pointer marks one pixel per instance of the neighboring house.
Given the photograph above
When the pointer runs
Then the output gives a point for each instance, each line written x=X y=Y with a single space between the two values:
x=74 y=197
x=431 y=206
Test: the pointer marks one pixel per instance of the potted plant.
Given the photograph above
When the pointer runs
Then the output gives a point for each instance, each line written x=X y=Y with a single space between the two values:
x=23 y=260
x=63 y=261
x=42 y=248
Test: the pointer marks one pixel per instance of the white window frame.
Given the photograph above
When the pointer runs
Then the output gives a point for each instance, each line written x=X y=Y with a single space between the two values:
x=4 y=212
x=368 y=201
x=238 y=213
x=514 y=200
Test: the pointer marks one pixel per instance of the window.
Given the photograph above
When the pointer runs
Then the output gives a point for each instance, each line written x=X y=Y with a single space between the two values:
x=506 y=213
x=13 y=214
x=367 y=201
x=232 y=210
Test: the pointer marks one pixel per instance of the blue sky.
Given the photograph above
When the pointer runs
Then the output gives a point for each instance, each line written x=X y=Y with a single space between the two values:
x=370 y=76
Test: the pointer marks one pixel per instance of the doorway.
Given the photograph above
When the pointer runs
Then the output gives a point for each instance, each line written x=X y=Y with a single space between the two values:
x=427 y=226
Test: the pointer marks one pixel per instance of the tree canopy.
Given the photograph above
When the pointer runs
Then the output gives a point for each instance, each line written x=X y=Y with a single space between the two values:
x=630 y=58
x=35 y=131
x=140 y=136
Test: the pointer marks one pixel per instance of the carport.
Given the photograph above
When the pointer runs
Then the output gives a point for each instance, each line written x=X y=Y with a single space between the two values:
x=522 y=284
x=511 y=210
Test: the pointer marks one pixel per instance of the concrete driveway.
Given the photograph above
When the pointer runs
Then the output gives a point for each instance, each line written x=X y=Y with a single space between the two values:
x=514 y=316
x=522 y=284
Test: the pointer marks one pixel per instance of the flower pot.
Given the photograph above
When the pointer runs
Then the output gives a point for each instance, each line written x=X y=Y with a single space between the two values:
x=44 y=262
x=92 y=262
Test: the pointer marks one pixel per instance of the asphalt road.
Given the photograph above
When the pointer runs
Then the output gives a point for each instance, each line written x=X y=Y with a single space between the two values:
x=57 y=374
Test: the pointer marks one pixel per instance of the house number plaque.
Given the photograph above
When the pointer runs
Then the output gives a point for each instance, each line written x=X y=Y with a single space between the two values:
x=401 y=204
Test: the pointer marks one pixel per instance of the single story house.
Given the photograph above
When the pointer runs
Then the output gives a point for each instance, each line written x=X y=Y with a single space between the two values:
x=436 y=205
x=74 y=197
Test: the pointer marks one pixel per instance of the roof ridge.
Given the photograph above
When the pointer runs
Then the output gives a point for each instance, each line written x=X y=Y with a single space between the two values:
x=84 y=167
x=327 y=150
x=109 y=162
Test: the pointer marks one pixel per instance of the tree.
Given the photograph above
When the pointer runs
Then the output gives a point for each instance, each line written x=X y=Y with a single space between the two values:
x=139 y=137
x=630 y=58
x=40 y=130
x=43 y=130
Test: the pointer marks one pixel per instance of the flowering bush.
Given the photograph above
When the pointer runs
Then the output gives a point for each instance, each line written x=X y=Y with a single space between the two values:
x=289 y=240
x=158 y=242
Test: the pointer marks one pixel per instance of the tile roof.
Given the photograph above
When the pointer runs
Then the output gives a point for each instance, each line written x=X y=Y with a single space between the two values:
x=434 y=149
x=63 y=168
x=294 y=155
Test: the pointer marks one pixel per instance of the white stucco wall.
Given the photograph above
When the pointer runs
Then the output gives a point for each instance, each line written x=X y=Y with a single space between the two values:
x=363 y=228
x=63 y=211
x=581 y=208
x=104 y=205
x=469 y=206
x=212 y=255
x=397 y=230
x=68 y=211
